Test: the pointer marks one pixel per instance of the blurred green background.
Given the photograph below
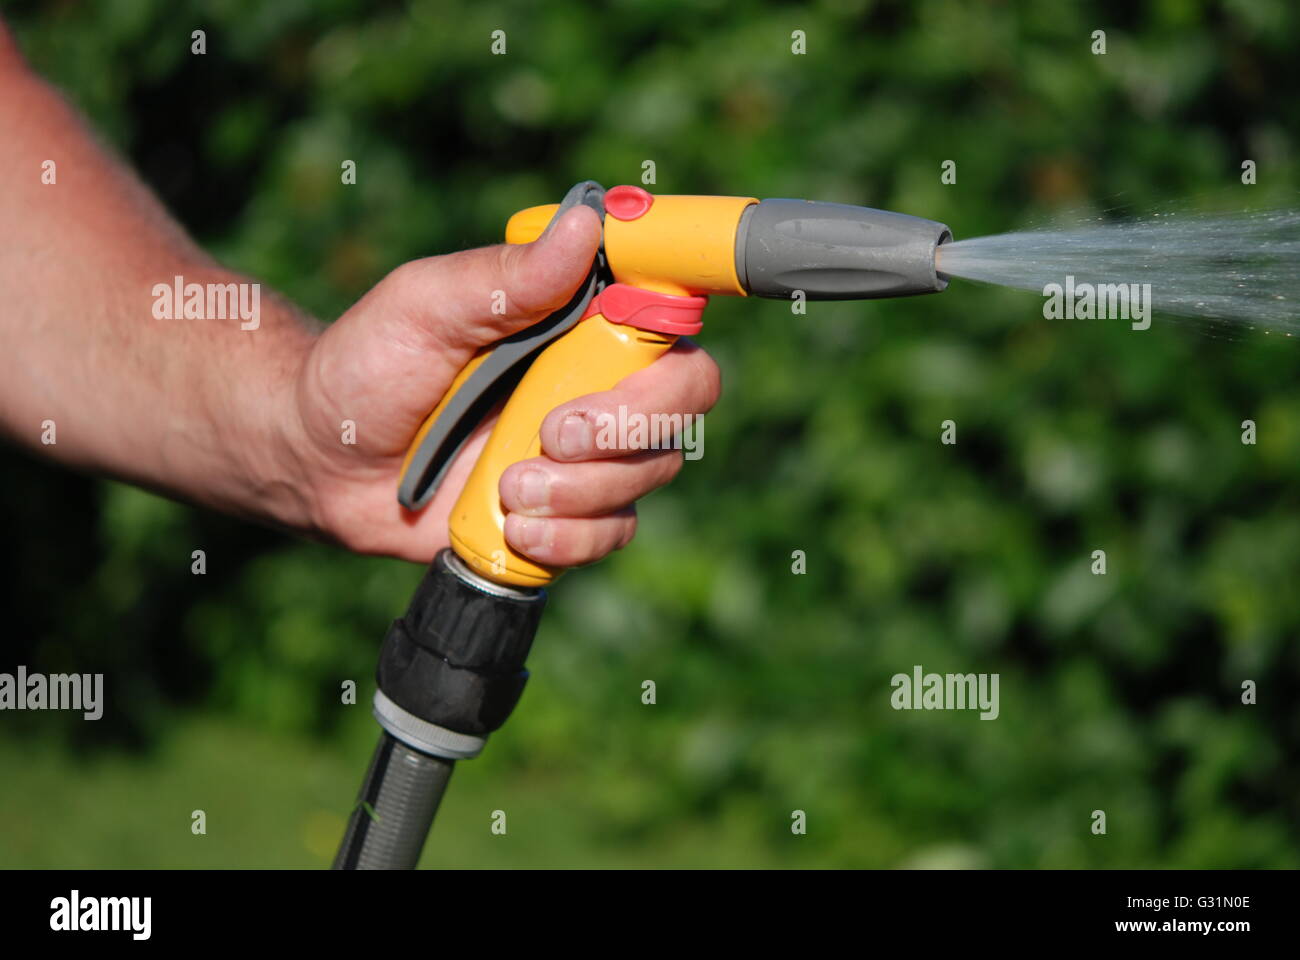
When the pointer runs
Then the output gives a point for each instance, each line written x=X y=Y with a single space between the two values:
x=1118 y=692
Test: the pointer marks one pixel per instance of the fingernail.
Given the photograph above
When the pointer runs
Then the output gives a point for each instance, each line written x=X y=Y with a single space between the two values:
x=575 y=436
x=531 y=533
x=534 y=489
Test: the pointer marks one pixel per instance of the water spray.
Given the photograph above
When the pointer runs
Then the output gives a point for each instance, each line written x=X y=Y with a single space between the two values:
x=1238 y=268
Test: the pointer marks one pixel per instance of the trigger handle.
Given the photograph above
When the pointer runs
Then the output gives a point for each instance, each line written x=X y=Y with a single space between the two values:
x=493 y=373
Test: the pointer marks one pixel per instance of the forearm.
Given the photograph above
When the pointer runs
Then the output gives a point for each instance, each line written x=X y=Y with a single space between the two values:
x=193 y=407
x=246 y=414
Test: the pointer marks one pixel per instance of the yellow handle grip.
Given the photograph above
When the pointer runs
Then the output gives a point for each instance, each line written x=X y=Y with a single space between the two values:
x=593 y=356
x=666 y=254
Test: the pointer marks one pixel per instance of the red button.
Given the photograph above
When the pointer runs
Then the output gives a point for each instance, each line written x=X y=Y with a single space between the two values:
x=627 y=203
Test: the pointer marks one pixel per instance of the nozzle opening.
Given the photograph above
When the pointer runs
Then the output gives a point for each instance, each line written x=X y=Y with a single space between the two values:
x=940 y=278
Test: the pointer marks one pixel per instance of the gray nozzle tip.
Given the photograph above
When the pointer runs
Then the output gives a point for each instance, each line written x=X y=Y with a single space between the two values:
x=834 y=251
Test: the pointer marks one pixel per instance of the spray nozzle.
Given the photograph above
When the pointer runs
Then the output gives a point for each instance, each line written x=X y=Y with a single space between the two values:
x=834 y=251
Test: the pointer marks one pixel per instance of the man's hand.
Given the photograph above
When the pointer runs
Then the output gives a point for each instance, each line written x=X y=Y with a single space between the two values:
x=250 y=421
x=388 y=361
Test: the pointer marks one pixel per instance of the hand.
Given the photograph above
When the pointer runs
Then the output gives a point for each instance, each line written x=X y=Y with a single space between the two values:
x=388 y=361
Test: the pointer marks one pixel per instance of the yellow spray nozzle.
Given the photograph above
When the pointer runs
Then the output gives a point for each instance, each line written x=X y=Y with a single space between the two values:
x=682 y=245
x=738 y=246
x=662 y=257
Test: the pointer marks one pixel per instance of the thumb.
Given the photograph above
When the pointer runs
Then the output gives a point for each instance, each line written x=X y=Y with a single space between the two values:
x=389 y=358
x=469 y=299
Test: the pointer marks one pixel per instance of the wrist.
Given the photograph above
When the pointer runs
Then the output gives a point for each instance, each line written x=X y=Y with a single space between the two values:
x=257 y=422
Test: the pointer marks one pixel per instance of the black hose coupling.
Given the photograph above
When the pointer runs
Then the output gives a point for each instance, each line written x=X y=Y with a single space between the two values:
x=452 y=668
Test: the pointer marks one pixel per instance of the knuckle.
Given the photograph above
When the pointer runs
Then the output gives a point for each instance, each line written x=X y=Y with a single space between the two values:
x=670 y=465
x=628 y=530
x=408 y=276
x=708 y=377
x=515 y=273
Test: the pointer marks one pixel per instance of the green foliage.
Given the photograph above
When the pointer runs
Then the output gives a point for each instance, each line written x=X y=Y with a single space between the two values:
x=1118 y=693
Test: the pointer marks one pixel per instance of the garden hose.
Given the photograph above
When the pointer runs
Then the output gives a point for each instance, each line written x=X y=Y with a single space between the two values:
x=395 y=809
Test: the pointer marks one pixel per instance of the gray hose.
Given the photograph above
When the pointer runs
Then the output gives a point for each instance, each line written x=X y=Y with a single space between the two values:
x=394 y=809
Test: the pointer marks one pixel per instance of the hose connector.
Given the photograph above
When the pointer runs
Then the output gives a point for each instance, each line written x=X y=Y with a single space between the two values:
x=835 y=251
